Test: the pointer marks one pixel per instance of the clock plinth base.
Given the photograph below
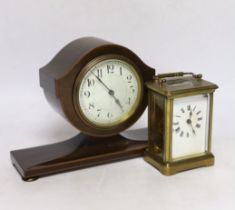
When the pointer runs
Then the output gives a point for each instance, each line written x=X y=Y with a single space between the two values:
x=172 y=168
x=78 y=152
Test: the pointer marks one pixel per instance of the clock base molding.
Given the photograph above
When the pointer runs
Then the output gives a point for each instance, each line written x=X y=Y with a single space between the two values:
x=78 y=152
x=172 y=168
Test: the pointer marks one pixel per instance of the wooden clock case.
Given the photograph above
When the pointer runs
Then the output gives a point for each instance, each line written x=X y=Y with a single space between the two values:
x=92 y=146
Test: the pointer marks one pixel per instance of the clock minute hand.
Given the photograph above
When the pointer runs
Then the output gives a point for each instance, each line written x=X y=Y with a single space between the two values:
x=102 y=83
x=189 y=121
x=111 y=92
x=193 y=130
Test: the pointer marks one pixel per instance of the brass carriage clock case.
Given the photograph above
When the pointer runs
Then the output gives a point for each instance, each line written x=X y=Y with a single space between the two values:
x=163 y=91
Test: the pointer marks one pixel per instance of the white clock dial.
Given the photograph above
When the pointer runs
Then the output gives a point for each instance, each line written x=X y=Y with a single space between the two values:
x=190 y=126
x=109 y=92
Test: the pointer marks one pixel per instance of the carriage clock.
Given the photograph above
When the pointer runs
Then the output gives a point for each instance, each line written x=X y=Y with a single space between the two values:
x=98 y=86
x=179 y=122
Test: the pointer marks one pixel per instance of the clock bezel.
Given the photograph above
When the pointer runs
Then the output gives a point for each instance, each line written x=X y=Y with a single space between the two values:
x=140 y=83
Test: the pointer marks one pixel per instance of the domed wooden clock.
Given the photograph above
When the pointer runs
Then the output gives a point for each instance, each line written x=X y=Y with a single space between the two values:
x=99 y=88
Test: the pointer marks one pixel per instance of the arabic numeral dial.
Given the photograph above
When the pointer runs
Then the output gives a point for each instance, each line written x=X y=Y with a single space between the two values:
x=109 y=92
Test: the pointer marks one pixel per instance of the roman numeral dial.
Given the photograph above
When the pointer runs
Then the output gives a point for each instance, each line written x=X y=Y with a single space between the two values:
x=109 y=92
x=187 y=121
x=190 y=125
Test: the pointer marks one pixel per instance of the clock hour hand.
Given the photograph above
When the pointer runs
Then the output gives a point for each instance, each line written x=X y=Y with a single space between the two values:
x=189 y=122
x=111 y=92
x=118 y=103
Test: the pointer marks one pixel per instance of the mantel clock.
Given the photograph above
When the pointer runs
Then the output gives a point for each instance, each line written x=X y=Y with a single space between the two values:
x=97 y=86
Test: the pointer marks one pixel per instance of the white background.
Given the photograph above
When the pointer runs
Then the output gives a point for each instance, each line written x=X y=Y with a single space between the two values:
x=170 y=35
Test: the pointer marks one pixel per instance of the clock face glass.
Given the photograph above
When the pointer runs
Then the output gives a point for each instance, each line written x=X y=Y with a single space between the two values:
x=109 y=92
x=190 y=126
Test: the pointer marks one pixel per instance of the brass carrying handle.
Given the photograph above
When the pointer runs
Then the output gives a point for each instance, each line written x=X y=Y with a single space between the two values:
x=160 y=77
